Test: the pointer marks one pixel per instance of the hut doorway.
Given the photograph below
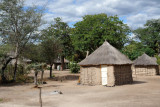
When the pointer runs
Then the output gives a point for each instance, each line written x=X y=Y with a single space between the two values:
x=104 y=74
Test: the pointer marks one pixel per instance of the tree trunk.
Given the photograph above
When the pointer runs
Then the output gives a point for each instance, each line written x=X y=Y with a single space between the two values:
x=15 y=68
x=36 y=78
x=3 y=69
x=159 y=48
x=42 y=76
x=62 y=62
x=87 y=54
x=51 y=70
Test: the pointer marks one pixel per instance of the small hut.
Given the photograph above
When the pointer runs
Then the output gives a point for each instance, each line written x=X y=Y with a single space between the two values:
x=145 y=65
x=58 y=61
x=106 y=66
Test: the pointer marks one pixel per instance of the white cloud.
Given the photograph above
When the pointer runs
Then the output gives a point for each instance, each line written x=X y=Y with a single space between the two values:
x=136 y=12
x=36 y=2
x=138 y=20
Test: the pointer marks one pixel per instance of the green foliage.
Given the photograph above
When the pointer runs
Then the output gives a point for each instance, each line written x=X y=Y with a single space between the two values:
x=150 y=34
x=37 y=67
x=22 y=73
x=62 y=32
x=74 y=67
x=93 y=30
x=50 y=50
x=135 y=49
x=1 y=99
x=4 y=49
x=18 y=25
x=158 y=59
x=33 y=52
x=53 y=75
x=50 y=46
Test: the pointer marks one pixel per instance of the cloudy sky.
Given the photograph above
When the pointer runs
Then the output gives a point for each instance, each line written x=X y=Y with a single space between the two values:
x=132 y=12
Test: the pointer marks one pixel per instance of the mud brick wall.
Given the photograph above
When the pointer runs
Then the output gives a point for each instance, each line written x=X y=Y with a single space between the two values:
x=146 y=70
x=90 y=75
x=123 y=74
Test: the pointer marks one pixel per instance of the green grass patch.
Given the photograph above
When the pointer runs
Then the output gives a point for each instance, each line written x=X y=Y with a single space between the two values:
x=1 y=99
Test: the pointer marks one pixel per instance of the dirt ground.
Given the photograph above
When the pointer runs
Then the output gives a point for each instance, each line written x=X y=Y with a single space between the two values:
x=144 y=92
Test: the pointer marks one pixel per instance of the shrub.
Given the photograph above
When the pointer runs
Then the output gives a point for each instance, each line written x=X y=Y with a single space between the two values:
x=158 y=59
x=1 y=99
x=22 y=73
x=74 y=67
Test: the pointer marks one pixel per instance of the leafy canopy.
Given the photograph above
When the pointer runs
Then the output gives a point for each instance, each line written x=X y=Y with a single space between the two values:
x=18 y=24
x=93 y=30
x=135 y=49
x=150 y=34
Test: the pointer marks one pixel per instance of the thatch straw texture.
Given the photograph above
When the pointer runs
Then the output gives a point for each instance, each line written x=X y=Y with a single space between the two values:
x=145 y=60
x=106 y=54
x=154 y=58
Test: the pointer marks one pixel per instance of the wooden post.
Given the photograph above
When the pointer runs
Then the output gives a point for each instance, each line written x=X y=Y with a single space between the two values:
x=135 y=72
x=40 y=98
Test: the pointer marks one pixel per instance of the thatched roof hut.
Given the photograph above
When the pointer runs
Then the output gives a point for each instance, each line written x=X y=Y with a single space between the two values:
x=106 y=66
x=154 y=58
x=145 y=60
x=57 y=62
x=146 y=65
x=106 y=54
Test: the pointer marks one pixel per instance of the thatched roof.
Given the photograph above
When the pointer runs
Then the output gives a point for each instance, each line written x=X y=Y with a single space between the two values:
x=154 y=58
x=106 y=54
x=145 y=60
x=58 y=60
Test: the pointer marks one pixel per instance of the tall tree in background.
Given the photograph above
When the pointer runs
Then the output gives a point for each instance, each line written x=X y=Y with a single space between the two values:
x=33 y=52
x=50 y=47
x=135 y=49
x=62 y=32
x=150 y=34
x=18 y=24
x=93 y=30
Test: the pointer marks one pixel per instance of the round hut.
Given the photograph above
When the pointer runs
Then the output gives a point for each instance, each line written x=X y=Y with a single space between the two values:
x=145 y=65
x=106 y=66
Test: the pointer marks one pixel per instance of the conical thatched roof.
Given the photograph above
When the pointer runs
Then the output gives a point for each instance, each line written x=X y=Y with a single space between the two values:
x=154 y=58
x=145 y=60
x=106 y=54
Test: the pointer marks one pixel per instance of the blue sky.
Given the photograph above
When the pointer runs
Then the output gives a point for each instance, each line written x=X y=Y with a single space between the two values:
x=133 y=12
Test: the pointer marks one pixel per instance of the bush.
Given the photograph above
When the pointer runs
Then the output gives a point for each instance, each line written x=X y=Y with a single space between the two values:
x=158 y=59
x=74 y=67
x=22 y=73
x=1 y=99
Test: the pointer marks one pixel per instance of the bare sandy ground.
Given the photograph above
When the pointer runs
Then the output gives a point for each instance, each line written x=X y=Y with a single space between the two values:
x=144 y=92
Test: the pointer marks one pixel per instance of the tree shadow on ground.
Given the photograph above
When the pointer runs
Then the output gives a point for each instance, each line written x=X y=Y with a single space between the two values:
x=52 y=86
x=139 y=82
x=13 y=84
x=63 y=78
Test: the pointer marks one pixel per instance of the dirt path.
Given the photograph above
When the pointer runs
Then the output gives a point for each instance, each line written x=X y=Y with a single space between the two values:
x=145 y=92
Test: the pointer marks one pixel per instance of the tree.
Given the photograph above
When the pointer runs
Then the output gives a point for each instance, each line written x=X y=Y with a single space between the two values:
x=62 y=32
x=33 y=52
x=150 y=34
x=37 y=67
x=4 y=59
x=18 y=25
x=93 y=30
x=50 y=47
x=135 y=49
